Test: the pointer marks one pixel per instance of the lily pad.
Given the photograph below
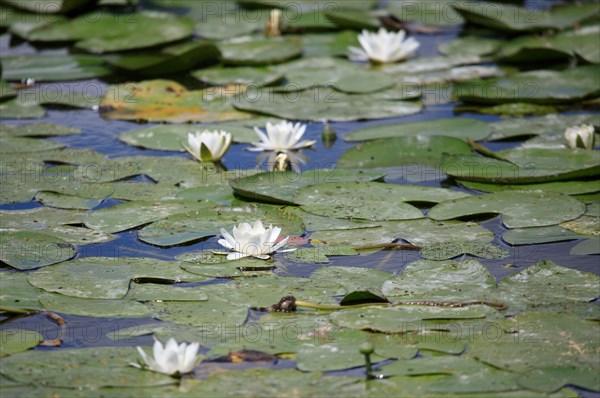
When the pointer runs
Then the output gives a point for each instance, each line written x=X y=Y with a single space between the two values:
x=584 y=225
x=53 y=68
x=134 y=214
x=29 y=250
x=25 y=144
x=456 y=127
x=353 y=19
x=40 y=218
x=15 y=109
x=86 y=368
x=262 y=186
x=17 y=292
x=326 y=104
x=470 y=45
x=371 y=201
x=455 y=281
x=106 y=32
x=523 y=166
x=554 y=378
x=567 y=187
x=94 y=307
x=229 y=24
x=253 y=76
x=511 y=18
x=587 y=247
x=13 y=341
x=328 y=44
x=427 y=12
x=528 y=236
x=535 y=208
x=550 y=124
x=402 y=151
x=202 y=223
x=541 y=86
x=106 y=277
x=167 y=101
x=259 y=51
x=62 y=201
x=170 y=137
x=177 y=58
x=47 y=6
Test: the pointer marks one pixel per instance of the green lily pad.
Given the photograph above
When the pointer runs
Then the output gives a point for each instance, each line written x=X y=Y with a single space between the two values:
x=353 y=19
x=314 y=72
x=328 y=44
x=402 y=151
x=470 y=45
x=253 y=76
x=25 y=144
x=170 y=137
x=202 y=223
x=84 y=368
x=261 y=186
x=29 y=250
x=517 y=109
x=587 y=247
x=39 y=218
x=62 y=201
x=106 y=32
x=47 y=6
x=166 y=101
x=229 y=24
x=177 y=58
x=554 y=378
x=6 y=91
x=17 y=292
x=547 y=282
x=550 y=124
x=584 y=225
x=519 y=209
x=134 y=214
x=78 y=235
x=533 y=340
x=523 y=166
x=313 y=222
x=556 y=48
x=455 y=127
x=438 y=365
x=212 y=315
x=15 y=109
x=106 y=277
x=542 y=86
x=340 y=354
x=354 y=237
x=455 y=281
x=488 y=380
x=209 y=264
x=94 y=307
x=326 y=104
x=402 y=319
x=566 y=187
x=37 y=130
x=368 y=200
x=528 y=236
x=511 y=18
x=13 y=341
x=53 y=67
x=353 y=278
x=445 y=251
x=427 y=12
x=259 y=51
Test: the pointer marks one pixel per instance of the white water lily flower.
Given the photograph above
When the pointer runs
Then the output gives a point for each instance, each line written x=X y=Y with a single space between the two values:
x=384 y=47
x=208 y=146
x=580 y=136
x=251 y=240
x=281 y=137
x=171 y=359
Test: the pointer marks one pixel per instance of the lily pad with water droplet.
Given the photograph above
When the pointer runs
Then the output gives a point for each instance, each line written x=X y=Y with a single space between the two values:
x=26 y=250
x=414 y=150
x=106 y=277
x=455 y=127
x=519 y=209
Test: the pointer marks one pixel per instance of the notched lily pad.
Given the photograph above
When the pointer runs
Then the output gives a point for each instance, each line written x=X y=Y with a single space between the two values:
x=29 y=250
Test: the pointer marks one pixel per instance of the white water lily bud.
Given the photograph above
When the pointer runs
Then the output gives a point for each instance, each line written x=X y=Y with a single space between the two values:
x=384 y=47
x=208 y=146
x=170 y=359
x=281 y=137
x=580 y=136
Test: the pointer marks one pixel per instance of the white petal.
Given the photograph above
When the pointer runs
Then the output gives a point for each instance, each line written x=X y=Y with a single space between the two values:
x=236 y=256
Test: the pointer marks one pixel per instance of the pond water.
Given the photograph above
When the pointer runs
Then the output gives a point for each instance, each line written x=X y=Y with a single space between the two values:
x=101 y=135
